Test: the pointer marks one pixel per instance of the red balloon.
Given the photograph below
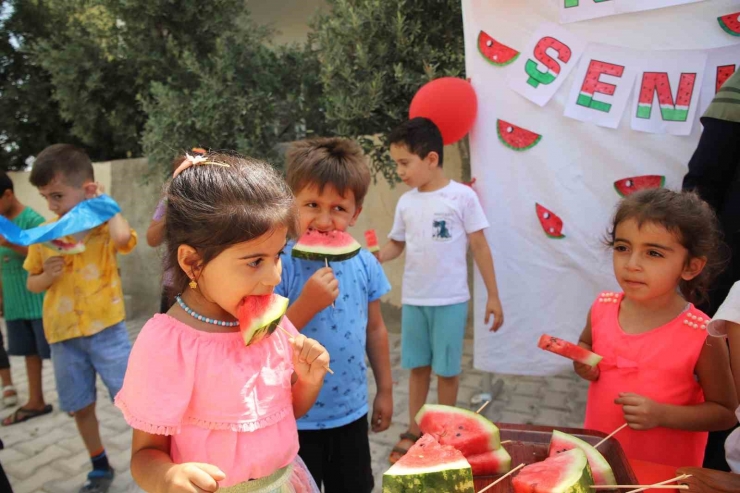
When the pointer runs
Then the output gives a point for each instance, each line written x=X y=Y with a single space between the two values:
x=450 y=103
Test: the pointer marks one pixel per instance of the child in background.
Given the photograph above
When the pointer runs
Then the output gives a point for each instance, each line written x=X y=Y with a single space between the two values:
x=434 y=223
x=209 y=413
x=659 y=371
x=330 y=178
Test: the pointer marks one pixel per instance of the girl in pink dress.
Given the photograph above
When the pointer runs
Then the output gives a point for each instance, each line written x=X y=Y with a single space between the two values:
x=660 y=372
x=209 y=412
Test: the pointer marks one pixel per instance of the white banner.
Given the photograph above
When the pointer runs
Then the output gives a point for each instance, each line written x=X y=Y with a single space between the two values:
x=579 y=10
x=721 y=64
x=550 y=272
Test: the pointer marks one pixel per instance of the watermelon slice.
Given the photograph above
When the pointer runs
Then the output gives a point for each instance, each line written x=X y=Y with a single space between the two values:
x=371 y=239
x=516 y=138
x=259 y=316
x=730 y=23
x=628 y=186
x=333 y=246
x=564 y=473
x=64 y=247
x=600 y=468
x=568 y=350
x=490 y=463
x=550 y=222
x=429 y=466
x=496 y=53
x=468 y=432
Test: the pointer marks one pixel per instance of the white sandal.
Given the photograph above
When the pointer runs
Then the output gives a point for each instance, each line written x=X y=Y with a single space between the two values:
x=12 y=399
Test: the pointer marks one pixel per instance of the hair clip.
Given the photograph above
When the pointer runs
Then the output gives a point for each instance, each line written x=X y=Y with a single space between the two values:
x=194 y=161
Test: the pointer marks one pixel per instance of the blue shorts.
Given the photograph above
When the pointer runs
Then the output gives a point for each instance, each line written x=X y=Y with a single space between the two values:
x=433 y=336
x=77 y=362
x=26 y=338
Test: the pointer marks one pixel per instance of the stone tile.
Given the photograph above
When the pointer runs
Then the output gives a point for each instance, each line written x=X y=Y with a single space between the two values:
x=523 y=405
x=36 y=445
x=46 y=475
x=74 y=464
x=25 y=469
x=66 y=484
x=8 y=456
x=552 y=399
x=526 y=388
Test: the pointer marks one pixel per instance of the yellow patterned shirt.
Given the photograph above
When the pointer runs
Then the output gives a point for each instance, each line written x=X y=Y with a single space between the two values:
x=87 y=297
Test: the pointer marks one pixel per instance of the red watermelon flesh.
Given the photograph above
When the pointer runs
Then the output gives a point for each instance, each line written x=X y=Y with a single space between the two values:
x=371 y=240
x=516 y=138
x=600 y=468
x=259 y=316
x=332 y=246
x=596 y=68
x=628 y=186
x=730 y=23
x=540 y=53
x=64 y=247
x=564 y=473
x=468 y=432
x=550 y=222
x=490 y=463
x=724 y=72
x=496 y=53
x=568 y=350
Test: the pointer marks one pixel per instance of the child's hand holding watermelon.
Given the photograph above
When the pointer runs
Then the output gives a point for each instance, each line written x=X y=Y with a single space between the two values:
x=587 y=372
x=322 y=288
x=310 y=361
x=640 y=412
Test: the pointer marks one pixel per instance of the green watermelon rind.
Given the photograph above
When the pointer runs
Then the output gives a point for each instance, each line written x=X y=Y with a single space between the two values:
x=495 y=443
x=725 y=28
x=580 y=484
x=266 y=324
x=501 y=455
x=518 y=149
x=593 y=456
x=457 y=480
x=616 y=189
x=330 y=257
x=332 y=246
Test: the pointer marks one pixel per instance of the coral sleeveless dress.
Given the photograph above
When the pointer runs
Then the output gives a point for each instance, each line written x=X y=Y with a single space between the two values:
x=658 y=364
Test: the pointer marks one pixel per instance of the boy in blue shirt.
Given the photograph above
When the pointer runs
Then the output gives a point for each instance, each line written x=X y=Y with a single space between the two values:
x=330 y=178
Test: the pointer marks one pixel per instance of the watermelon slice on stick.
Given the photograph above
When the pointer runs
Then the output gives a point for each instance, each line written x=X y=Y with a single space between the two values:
x=550 y=222
x=65 y=248
x=567 y=472
x=331 y=246
x=490 y=463
x=730 y=23
x=600 y=468
x=568 y=350
x=516 y=138
x=468 y=432
x=429 y=466
x=259 y=316
x=371 y=239
x=495 y=53
x=628 y=186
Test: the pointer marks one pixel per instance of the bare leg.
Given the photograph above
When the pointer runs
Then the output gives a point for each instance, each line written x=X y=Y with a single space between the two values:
x=418 y=390
x=447 y=390
x=5 y=377
x=35 y=389
x=87 y=424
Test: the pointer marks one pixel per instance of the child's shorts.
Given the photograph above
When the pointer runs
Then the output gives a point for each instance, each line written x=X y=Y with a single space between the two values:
x=26 y=338
x=433 y=336
x=78 y=361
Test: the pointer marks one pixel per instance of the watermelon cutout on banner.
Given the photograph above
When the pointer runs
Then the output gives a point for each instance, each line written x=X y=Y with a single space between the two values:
x=550 y=222
x=65 y=248
x=564 y=473
x=490 y=463
x=658 y=82
x=429 y=466
x=592 y=82
x=730 y=23
x=450 y=103
x=568 y=350
x=628 y=186
x=600 y=468
x=259 y=316
x=332 y=246
x=723 y=73
x=516 y=138
x=496 y=53
x=468 y=432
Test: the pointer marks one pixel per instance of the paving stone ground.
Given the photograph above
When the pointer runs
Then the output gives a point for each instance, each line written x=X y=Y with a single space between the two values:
x=46 y=454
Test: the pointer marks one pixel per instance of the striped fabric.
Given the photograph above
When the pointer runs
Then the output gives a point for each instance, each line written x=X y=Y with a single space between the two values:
x=19 y=303
x=726 y=104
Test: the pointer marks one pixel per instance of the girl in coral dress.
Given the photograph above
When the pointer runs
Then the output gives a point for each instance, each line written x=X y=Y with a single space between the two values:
x=209 y=412
x=660 y=373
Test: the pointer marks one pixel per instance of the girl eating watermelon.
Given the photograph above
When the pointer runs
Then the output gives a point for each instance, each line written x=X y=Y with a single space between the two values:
x=660 y=372
x=209 y=413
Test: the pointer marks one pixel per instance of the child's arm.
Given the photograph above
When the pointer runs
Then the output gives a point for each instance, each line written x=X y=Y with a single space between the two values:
x=380 y=361
x=484 y=260
x=733 y=336
x=310 y=364
x=155 y=233
x=19 y=249
x=715 y=414
x=390 y=251
x=53 y=269
x=320 y=291
x=120 y=231
x=154 y=471
x=587 y=372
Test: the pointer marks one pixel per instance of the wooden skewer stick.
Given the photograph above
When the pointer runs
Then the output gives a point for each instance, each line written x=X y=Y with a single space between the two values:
x=502 y=478
x=653 y=487
x=677 y=478
x=506 y=441
x=480 y=409
x=611 y=434
x=291 y=336
x=326 y=263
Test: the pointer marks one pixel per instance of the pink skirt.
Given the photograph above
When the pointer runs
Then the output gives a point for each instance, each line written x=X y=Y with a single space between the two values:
x=294 y=478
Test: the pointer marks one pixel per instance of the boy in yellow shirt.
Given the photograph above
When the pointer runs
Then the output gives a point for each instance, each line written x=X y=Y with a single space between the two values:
x=83 y=309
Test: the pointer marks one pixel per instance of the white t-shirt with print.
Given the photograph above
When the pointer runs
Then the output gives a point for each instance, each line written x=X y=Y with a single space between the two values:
x=435 y=226
x=729 y=311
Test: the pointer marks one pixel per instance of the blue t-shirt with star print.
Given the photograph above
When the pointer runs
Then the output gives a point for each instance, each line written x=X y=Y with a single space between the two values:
x=342 y=330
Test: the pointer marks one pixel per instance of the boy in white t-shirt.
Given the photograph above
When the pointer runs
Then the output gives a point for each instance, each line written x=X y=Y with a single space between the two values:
x=434 y=223
x=726 y=323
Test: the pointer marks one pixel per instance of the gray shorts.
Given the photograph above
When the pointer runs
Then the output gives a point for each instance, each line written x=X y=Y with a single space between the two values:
x=26 y=338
